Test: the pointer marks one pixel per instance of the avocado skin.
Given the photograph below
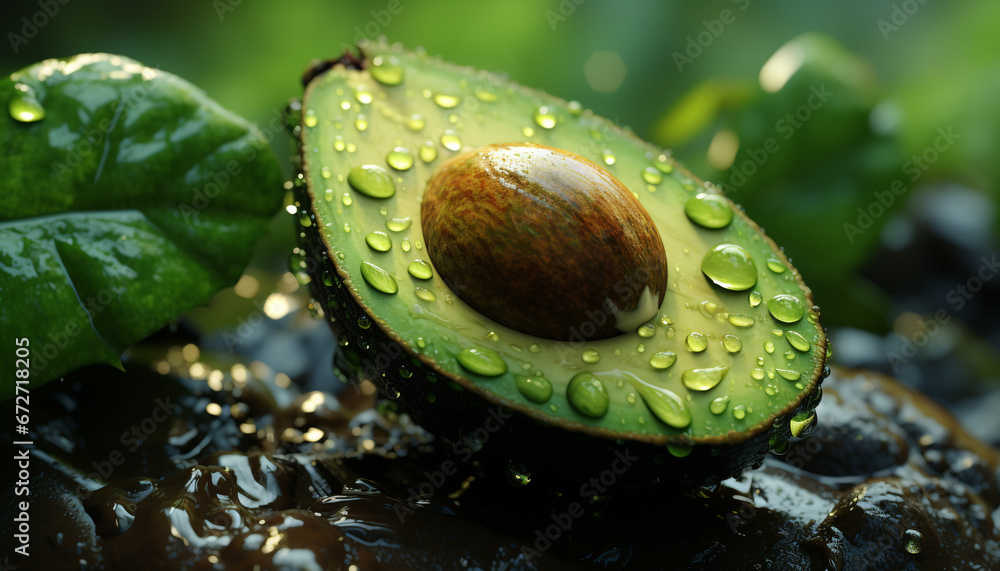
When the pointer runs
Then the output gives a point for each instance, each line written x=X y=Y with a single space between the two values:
x=458 y=416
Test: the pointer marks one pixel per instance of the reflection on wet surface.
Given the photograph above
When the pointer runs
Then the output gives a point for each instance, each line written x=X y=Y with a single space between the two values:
x=248 y=469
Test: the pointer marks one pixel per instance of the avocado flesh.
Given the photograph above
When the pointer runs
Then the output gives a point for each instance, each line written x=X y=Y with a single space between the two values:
x=350 y=118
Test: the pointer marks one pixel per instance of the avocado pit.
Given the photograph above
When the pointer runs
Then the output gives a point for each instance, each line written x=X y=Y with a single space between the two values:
x=544 y=241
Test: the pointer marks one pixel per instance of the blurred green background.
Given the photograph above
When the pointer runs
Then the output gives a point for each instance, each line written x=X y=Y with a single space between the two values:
x=862 y=136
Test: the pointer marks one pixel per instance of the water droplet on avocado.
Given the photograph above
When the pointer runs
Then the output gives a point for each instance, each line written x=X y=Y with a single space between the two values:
x=378 y=241
x=486 y=95
x=730 y=266
x=740 y=320
x=757 y=373
x=544 y=118
x=405 y=245
x=709 y=211
x=378 y=278
x=446 y=100
x=371 y=180
x=696 y=342
x=591 y=356
x=802 y=424
x=662 y=163
x=665 y=405
x=361 y=122
x=338 y=143
x=310 y=118
x=391 y=391
x=776 y=266
x=534 y=348
x=518 y=475
x=704 y=379
x=450 y=141
x=362 y=94
x=739 y=412
x=398 y=224
x=399 y=158
x=24 y=105
x=425 y=294
x=788 y=374
x=769 y=346
x=647 y=330
x=732 y=343
x=796 y=340
x=679 y=450
x=537 y=389
x=528 y=132
x=663 y=359
x=492 y=336
x=719 y=405
x=386 y=70
x=485 y=362
x=771 y=390
x=428 y=152
x=346 y=199
x=420 y=269
x=708 y=309
x=416 y=122
x=325 y=172
x=652 y=175
x=755 y=298
x=608 y=156
x=587 y=395
x=913 y=541
x=786 y=308
x=364 y=322
x=779 y=444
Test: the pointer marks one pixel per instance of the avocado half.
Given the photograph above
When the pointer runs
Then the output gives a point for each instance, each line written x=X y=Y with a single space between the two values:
x=725 y=366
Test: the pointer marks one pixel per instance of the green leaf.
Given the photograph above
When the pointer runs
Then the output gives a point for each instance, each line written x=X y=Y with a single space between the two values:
x=127 y=197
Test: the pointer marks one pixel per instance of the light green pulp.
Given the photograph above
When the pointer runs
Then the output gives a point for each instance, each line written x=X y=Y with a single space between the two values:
x=450 y=110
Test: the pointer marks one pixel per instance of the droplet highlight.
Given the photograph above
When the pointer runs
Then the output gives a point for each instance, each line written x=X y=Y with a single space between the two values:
x=709 y=211
x=481 y=361
x=587 y=395
x=378 y=278
x=730 y=266
x=704 y=379
x=786 y=308
x=371 y=180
